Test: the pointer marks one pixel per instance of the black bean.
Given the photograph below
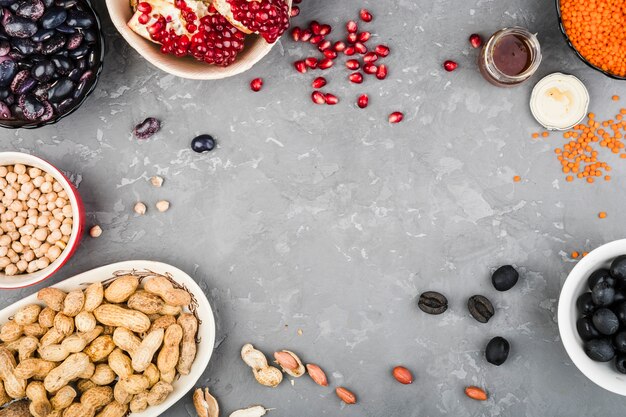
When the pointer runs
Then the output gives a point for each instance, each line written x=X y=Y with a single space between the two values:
x=432 y=302
x=504 y=278
x=480 y=308
x=497 y=350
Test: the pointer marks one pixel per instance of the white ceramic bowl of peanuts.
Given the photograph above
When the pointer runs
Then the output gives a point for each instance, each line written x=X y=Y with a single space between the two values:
x=128 y=337
x=41 y=219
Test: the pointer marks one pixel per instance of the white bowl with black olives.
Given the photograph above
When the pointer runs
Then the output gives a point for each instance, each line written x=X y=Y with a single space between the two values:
x=592 y=316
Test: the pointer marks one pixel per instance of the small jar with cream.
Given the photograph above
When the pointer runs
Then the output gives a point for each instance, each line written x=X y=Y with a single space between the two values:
x=559 y=101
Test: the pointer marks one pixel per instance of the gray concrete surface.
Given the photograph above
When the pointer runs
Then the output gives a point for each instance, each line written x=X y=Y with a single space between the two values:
x=332 y=221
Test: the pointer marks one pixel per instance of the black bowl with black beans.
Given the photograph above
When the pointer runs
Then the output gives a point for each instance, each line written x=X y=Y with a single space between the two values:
x=51 y=55
x=602 y=315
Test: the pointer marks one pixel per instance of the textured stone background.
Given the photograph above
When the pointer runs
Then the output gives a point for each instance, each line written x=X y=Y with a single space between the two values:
x=330 y=220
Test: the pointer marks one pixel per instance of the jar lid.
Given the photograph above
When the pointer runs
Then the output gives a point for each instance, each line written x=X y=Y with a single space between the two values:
x=559 y=101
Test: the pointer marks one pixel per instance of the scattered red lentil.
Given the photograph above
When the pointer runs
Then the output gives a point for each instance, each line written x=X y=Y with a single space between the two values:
x=517 y=178
x=602 y=214
x=545 y=134
x=585 y=254
x=535 y=135
x=575 y=254
x=615 y=98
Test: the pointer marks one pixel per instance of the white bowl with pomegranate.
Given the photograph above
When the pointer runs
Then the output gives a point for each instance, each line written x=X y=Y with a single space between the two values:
x=201 y=39
x=41 y=219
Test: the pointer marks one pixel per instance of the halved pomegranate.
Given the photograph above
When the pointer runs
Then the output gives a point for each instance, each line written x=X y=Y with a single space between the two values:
x=268 y=18
x=190 y=28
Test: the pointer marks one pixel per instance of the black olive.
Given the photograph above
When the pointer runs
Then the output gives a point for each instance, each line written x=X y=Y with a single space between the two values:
x=600 y=350
x=619 y=341
x=504 y=278
x=618 y=268
x=497 y=350
x=585 y=304
x=605 y=321
x=599 y=276
x=620 y=311
x=603 y=294
x=620 y=363
x=586 y=330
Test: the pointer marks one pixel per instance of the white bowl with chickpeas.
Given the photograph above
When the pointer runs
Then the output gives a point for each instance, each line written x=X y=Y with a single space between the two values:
x=41 y=219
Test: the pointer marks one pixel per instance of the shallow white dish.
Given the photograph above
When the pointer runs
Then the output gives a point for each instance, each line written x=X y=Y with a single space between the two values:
x=206 y=329
x=603 y=374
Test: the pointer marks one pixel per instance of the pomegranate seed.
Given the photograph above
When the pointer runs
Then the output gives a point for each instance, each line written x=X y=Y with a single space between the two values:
x=256 y=84
x=311 y=62
x=297 y=1
x=319 y=82
x=325 y=63
x=352 y=64
x=475 y=40
x=316 y=39
x=296 y=34
x=381 y=74
x=364 y=36
x=351 y=26
x=450 y=65
x=366 y=16
x=325 y=29
x=396 y=117
x=295 y=11
x=306 y=35
x=143 y=18
x=318 y=98
x=331 y=99
x=370 y=57
x=330 y=54
x=339 y=46
x=300 y=66
x=360 y=48
x=349 y=51
x=324 y=45
x=144 y=7
x=382 y=50
x=370 y=68
x=315 y=27
x=356 y=77
x=352 y=38
x=363 y=101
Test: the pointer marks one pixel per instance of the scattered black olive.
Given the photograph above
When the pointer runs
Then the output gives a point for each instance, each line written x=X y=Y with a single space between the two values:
x=432 y=302
x=504 y=278
x=497 y=350
x=600 y=350
x=203 y=143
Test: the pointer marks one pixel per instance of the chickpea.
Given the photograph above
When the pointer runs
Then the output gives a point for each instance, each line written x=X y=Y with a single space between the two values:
x=40 y=234
x=21 y=265
x=42 y=201
x=32 y=267
x=66 y=229
x=27 y=230
x=19 y=168
x=67 y=211
x=22 y=196
x=29 y=255
x=14 y=235
x=14 y=257
x=3 y=251
x=50 y=205
x=34 y=244
x=63 y=194
x=38 y=181
x=35 y=194
x=22 y=179
x=54 y=224
x=5 y=241
x=42 y=221
x=17 y=247
x=10 y=193
x=10 y=270
x=25 y=240
x=11 y=177
x=28 y=188
x=43 y=262
x=4 y=261
x=3 y=171
x=19 y=222
x=56 y=186
x=65 y=239
x=10 y=227
x=46 y=187
x=9 y=215
x=32 y=203
x=53 y=253
x=54 y=236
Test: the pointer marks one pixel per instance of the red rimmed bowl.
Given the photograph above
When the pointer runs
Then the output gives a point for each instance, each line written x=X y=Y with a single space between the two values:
x=78 y=215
